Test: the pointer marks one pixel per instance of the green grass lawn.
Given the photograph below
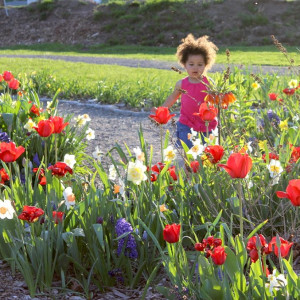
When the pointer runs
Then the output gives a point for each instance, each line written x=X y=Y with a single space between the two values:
x=263 y=55
x=107 y=83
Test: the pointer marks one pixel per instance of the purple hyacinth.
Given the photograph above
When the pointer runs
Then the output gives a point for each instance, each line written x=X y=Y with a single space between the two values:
x=130 y=249
x=36 y=160
x=273 y=117
x=4 y=137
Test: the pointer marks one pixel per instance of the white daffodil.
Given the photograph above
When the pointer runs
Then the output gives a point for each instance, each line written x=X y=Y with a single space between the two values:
x=249 y=147
x=139 y=154
x=275 y=168
x=169 y=153
x=112 y=172
x=6 y=209
x=296 y=118
x=81 y=120
x=49 y=103
x=97 y=154
x=120 y=188
x=192 y=135
x=69 y=197
x=197 y=148
x=255 y=85
x=70 y=160
x=276 y=282
x=136 y=172
x=29 y=125
x=90 y=134
x=293 y=83
x=213 y=135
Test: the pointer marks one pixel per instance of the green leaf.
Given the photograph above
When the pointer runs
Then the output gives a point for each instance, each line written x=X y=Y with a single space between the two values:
x=256 y=229
x=99 y=233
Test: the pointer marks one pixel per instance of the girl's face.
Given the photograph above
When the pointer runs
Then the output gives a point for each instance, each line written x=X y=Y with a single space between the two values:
x=195 y=65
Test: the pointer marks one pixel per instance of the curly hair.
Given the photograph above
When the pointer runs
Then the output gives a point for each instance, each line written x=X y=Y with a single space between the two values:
x=192 y=46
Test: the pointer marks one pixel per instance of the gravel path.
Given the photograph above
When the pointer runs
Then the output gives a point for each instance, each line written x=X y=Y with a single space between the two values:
x=113 y=125
x=143 y=63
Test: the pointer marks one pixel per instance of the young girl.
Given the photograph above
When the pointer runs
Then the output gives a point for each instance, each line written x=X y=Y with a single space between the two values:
x=196 y=56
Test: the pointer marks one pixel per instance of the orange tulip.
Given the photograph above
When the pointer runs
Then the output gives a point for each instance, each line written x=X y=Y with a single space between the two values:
x=207 y=113
x=162 y=115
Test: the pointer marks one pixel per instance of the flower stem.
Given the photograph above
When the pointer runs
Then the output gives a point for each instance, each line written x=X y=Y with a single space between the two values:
x=55 y=146
x=206 y=125
x=219 y=124
x=240 y=194
x=11 y=182
x=161 y=142
x=45 y=155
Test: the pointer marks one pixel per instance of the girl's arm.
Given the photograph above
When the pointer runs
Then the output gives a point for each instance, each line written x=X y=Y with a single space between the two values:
x=174 y=96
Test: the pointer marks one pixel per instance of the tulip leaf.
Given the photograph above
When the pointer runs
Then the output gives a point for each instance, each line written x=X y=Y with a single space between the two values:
x=256 y=229
x=9 y=120
x=99 y=233
x=234 y=270
x=217 y=219
x=241 y=251
x=292 y=276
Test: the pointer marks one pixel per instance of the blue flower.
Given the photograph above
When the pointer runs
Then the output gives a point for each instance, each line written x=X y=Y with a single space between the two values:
x=36 y=160
x=130 y=248
x=273 y=117
x=4 y=137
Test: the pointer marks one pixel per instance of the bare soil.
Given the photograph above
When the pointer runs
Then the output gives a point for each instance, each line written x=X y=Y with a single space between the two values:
x=83 y=22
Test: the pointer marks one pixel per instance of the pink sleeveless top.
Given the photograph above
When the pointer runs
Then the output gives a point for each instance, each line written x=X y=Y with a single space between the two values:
x=190 y=103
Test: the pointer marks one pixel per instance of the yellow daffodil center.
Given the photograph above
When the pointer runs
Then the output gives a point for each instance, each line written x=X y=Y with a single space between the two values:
x=163 y=208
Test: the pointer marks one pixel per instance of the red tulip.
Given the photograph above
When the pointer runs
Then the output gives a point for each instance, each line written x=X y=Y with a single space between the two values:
x=45 y=128
x=58 y=216
x=238 y=165
x=9 y=152
x=153 y=177
x=295 y=154
x=59 y=124
x=158 y=167
x=289 y=92
x=42 y=177
x=292 y=192
x=162 y=115
x=60 y=169
x=214 y=153
x=30 y=213
x=8 y=76
x=195 y=166
x=1 y=78
x=219 y=255
x=207 y=113
x=14 y=84
x=171 y=233
x=251 y=246
x=271 y=156
x=285 y=247
x=4 y=176
x=35 y=110
x=273 y=96
x=200 y=246
x=172 y=173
